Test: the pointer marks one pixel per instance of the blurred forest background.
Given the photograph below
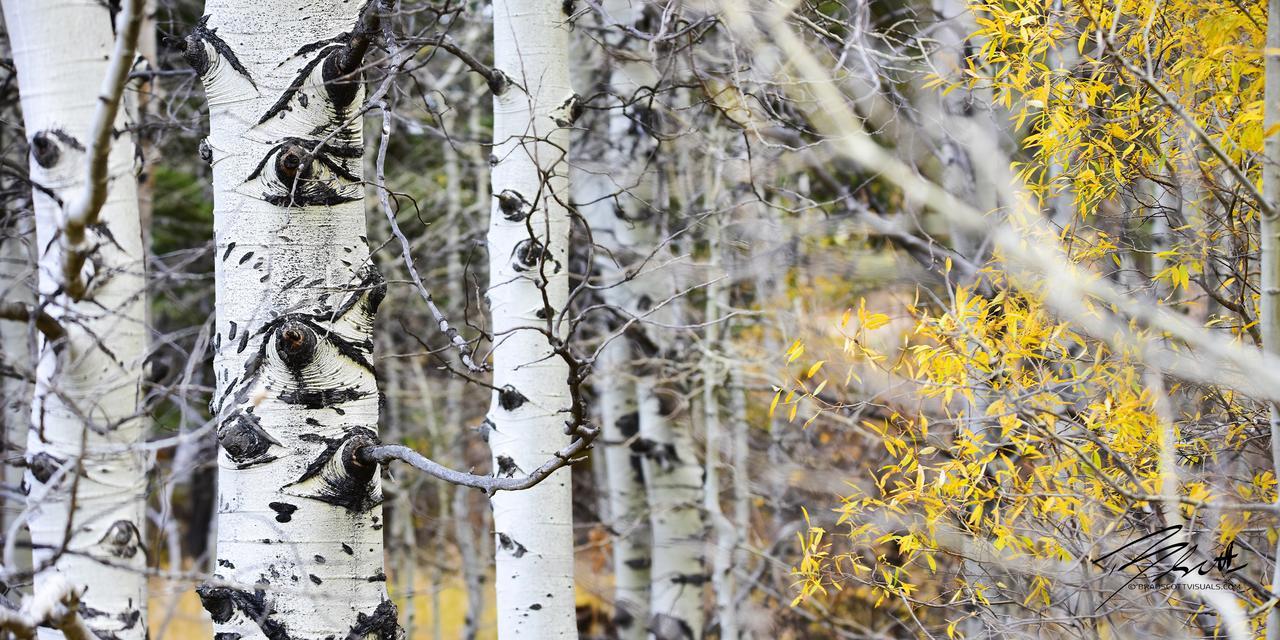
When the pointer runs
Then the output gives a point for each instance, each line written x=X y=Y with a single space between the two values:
x=944 y=301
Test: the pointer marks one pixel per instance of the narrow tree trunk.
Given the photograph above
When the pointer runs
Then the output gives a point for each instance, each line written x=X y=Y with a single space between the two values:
x=1269 y=258
x=471 y=536
x=86 y=482
x=724 y=539
x=608 y=186
x=620 y=424
x=17 y=271
x=528 y=290
x=300 y=551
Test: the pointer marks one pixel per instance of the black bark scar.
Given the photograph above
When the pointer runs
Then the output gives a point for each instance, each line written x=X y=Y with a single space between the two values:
x=199 y=60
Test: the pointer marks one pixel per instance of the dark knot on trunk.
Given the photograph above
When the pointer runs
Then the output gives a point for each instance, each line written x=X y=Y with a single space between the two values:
x=293 y=160
x=295 y=344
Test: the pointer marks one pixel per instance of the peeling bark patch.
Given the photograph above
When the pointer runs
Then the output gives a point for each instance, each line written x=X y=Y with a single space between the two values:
x=382 y=622
x=510 y=399
x=284 y=511
x=508 y=544
x=222 y=603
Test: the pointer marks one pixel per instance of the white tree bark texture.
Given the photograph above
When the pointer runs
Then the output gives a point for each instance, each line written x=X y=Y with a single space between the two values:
x=618 y=200
x=609 y=172
x=528 y=291
x=299 y=546
x=17 y=277
x=86 y=482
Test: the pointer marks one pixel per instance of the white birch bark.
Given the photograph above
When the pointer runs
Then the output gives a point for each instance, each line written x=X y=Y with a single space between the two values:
x=628 y=519
x=528 y=290
x=609 y=183
x=299 y=549
x=616 y=196
x=17 y=271
x=86 y=483
x=724 y=538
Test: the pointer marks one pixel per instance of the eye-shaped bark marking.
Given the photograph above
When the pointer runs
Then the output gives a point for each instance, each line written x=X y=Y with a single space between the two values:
x=338 y=476
x=295 y=339
x=43 y=465
x=122 y=540
x=282 y=103
x=193 y=50
x=46 y=146
x=506 y=543
x=510 y=399
x=513 y=205
x=223 y=603
x=295 y=343
x=244 y=439
x=306 y=173
x=530 y=253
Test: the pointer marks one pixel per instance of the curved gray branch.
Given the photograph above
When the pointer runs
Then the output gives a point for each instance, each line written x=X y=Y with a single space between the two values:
x=384 y=453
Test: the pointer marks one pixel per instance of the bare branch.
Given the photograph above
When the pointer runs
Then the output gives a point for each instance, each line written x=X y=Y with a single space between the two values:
x=489 y=484
x=22 y=312
x=84 y=210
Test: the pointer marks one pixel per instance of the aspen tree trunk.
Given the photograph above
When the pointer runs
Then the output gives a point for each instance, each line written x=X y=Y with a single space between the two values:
x=628 y=519
x=1269 y=260
x=83 y=476
x=673 y=476
x=610 y=187
x=724 y=539
x=17 y=271
x=472 y=547
x=299 y=550
x=528 y=290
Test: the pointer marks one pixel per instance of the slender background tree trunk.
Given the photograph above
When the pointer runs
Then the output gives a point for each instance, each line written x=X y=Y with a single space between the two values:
x=528 y=291
x=85 y=476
